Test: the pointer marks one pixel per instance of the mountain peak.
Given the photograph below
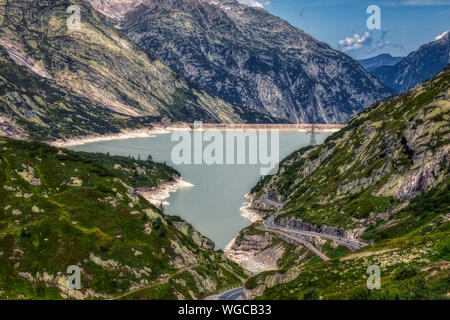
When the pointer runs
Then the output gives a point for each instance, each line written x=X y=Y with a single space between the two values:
x=384 y=55
x=249 y=57
x=418 y=66
x=444 y=36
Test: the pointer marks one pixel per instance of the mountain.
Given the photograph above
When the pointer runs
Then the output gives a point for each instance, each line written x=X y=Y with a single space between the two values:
x=384 y=59
x=418 y=66
x=61 y=208
x=33 y=107
x=375 y=193
x=58 y=83
x=248 y=57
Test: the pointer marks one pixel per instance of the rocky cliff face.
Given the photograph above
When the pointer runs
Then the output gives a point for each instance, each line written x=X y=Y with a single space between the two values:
x=251 y=58
x=417 y=67
x=100 y=75
x=258 y=251
x=33 y=107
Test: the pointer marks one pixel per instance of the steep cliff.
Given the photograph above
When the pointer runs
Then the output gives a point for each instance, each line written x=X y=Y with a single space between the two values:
x=249 y=57
x=98 y=80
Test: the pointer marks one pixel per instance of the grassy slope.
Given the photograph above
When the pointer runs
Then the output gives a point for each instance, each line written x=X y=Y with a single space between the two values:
x=412 y=244
x=101 y=66
x=360 y=169
x=61 y=208
x=414 y=263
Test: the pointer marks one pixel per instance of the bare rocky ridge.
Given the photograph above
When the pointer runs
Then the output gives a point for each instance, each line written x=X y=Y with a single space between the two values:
x=417 y=67
x=250 y=58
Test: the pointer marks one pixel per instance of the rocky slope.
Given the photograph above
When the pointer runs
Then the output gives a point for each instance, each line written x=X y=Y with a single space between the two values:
x=387 y=155
x=384 y=59
x=249 y=57
x=417 y=67
x=60 y=208
x=98 y=81
x=384 y=179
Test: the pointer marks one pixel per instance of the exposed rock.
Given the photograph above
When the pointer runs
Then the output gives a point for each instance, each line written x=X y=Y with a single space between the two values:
x=270 y=281
x=249 y=57
x=254 y=253
x=189 y=231
x=29 y=175
x=293 y=223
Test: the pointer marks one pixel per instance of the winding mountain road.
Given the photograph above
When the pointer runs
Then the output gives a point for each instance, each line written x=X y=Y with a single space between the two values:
x=354 y=244
x=269 y=223
x=295 y=235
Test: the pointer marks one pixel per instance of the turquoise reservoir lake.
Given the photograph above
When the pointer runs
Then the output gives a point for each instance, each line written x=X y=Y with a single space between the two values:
x=213 y=205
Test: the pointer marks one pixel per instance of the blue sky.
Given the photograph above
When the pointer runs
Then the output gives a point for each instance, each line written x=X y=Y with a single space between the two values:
x=405 y=24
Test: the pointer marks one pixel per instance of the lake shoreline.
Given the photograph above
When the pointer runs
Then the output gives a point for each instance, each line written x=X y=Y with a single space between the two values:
x=122 y=135
x=159 y=129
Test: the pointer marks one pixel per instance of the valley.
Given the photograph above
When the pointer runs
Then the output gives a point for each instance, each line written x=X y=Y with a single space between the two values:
x=213 y=204
x=212 y=150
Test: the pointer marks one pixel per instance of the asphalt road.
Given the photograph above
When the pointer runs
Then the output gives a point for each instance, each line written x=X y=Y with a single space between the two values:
x=299 y=240
x=270 y=223
x=232 y=294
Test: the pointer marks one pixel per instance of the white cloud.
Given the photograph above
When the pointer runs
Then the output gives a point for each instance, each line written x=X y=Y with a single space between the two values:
x=356 y=42
x=439 y=37
x=253 y=3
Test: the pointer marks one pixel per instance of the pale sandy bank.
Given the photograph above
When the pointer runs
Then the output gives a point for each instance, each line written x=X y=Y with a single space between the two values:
x=124 y=134
x=158 y=195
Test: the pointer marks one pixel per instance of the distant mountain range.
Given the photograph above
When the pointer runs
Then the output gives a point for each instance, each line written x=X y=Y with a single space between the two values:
x=417 y=67
x=232 y=64
x=384 y=59
x=248 y=57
